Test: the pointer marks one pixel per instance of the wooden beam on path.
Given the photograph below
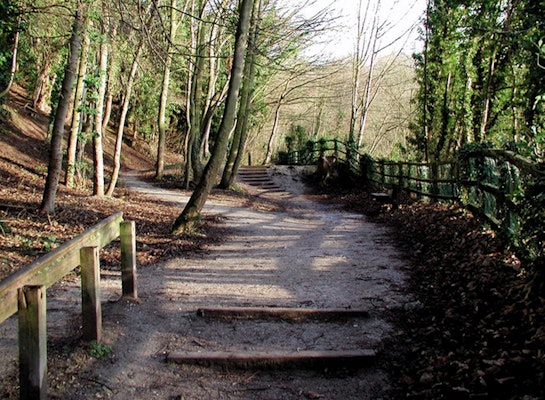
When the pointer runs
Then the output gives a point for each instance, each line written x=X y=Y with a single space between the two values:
x=277 y=359
x=281 y=313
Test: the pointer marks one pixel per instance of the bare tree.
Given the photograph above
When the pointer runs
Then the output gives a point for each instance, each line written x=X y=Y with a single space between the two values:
x=163 y=100
x=125 y=107
x=300 y=85
x=372 y=29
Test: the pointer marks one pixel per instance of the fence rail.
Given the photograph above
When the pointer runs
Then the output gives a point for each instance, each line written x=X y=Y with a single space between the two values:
x=25 y=292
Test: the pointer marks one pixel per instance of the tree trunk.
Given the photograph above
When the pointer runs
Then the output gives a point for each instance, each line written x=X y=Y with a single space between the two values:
x=109 y=88
x=98 y=152
x=123 y=118
x=268 y=155
x=161 y=120
x=107 y=107
x=357 y=64
x=163 y=101
x=191 y=212
x=366 y=101
x=76 y=115
x=55 y=155
x=193 y=164
x=239 y=137
x=445 y=118
x=488 y=93
x=13 y=68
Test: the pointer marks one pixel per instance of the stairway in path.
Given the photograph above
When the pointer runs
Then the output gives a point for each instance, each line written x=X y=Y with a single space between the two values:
x=258 y=177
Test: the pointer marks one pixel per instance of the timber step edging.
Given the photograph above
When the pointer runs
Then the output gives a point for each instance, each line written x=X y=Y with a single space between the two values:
x=281 y=313
x=277 y=359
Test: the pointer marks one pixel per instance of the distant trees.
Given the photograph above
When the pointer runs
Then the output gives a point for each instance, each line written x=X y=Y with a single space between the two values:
x=162 y=68
x=364 y=98
x=374 y=24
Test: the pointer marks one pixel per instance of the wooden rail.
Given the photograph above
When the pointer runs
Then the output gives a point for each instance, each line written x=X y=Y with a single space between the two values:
x=25 y=292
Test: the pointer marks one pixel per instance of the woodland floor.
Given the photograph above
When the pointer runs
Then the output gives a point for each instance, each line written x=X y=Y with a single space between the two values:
x=456 y=322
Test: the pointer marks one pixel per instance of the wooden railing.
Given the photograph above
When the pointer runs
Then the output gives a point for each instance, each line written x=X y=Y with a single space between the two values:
x=308 y=155
x=426 y=180
x=25 y=292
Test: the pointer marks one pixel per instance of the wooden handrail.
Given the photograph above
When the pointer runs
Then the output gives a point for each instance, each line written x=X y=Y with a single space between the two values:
x=25 y=292
x=53 y=266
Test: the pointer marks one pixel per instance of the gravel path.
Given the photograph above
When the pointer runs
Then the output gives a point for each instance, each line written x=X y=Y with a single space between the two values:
x=311 y=256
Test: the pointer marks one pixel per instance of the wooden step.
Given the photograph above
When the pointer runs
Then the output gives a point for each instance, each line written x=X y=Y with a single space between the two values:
x=277 y=359
x=255 y=177
x=263 y=174
x=281 y=313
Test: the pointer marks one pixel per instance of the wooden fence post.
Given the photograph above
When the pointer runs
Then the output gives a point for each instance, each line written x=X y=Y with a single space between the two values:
x=128 y=258
x=90 y=293
x=32 y=342
x=400 y=183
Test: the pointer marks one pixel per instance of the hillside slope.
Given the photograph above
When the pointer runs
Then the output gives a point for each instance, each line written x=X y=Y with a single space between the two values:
x=25 y=233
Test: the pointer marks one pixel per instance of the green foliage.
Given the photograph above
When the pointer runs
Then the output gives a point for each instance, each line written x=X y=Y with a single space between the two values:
x=144 y=103
x=8 y=26
x=99 y=350
x=49 y=243
x=297 y=138
x=471 y=148
x=4 y=228
x=479 y=77
x=531 y=242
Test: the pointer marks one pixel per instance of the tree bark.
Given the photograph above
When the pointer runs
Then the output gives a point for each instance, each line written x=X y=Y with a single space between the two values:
x=193 y=164
x=13 y=68
x=98 y=152
x=191 y=213
x=241 y=130
x=163 y=101
x=123 y=118
x=55 y=155
x=76 y=115
x=268 y=155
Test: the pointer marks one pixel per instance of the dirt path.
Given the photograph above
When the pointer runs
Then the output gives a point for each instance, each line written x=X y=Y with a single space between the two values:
x=312 y=256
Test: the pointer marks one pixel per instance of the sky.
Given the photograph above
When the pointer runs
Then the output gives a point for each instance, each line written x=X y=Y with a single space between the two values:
x=402 y=14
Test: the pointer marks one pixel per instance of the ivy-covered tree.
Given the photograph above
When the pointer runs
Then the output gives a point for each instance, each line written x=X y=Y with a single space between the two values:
x=534 y=105
x=474 y=74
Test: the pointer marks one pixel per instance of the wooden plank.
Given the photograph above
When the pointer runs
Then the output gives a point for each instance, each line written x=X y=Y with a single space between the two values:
x=53 y=266
x=276 y=359
x=90 y=294
x=280 y=313
x=128 y=259
x=32 y=342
